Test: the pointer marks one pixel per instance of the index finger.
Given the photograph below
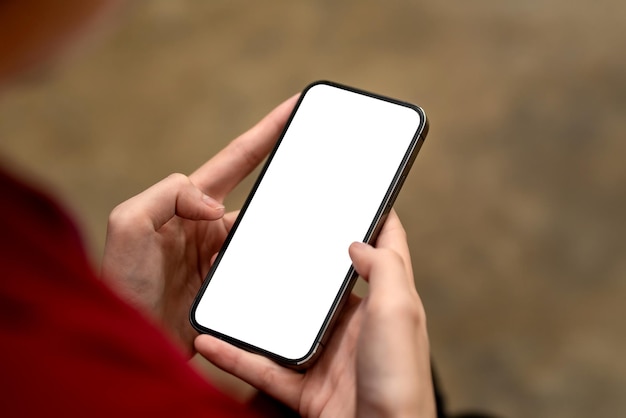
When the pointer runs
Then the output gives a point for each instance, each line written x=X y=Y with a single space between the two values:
x=222 y=173
x=258 y=371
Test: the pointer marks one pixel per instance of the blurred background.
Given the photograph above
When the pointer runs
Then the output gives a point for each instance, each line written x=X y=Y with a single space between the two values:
x=514 y=207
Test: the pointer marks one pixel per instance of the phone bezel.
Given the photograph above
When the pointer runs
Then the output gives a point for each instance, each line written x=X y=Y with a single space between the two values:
x=351 y=277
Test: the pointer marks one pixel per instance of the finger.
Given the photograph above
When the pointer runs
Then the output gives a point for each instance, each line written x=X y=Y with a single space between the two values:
x=229 y=219
x=390 y=260
x=213 y=258
x=174 y=195
x=223 y=172
x=260 y=372
x=393 y=236
x=383 y=268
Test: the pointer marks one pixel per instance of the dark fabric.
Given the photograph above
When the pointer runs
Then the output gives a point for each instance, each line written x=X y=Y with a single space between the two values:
x=440 y=402
x=439 y=398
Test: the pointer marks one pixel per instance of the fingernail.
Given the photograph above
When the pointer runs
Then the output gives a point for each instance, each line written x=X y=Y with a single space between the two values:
x=212 y=202
x=359 y=246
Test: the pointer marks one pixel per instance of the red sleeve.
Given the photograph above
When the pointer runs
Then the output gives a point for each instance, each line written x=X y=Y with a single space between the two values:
x=68 y=345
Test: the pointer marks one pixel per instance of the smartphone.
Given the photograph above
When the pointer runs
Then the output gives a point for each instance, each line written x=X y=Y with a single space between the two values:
x=284 y=271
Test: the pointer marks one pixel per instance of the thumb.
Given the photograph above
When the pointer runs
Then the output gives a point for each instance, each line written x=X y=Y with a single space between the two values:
x=382 y=268
x=173 y=196
x=177 y=195
x=361 y=255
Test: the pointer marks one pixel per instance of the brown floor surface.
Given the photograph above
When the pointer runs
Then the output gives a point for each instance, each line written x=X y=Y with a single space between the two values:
x=515 y=206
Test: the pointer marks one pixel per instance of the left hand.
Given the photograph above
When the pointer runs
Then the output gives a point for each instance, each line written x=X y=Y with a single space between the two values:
x=159 y=243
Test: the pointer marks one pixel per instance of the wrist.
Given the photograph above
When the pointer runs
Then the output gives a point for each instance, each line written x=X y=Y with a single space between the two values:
x=399 y=399
x=395 y=411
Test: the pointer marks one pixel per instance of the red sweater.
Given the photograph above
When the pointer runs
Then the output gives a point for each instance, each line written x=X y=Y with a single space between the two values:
x=68 y=345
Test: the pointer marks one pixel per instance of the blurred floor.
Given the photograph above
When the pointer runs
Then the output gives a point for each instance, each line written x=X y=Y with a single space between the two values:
x=514 y=207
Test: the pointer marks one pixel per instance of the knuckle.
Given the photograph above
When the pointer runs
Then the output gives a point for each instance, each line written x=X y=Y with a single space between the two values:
x=133 y=213
x=123 y=219
x=118 y=216
x=407 y=309
x=178 y=179
x=416 y=313
x=398 y=305
x=391 y=256
x=267 y=378
x=246 y=152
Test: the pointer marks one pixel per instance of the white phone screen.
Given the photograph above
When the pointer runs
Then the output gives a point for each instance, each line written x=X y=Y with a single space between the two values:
x=279 y=275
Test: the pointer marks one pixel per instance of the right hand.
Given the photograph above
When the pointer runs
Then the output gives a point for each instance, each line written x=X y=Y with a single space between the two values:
x=377 y=361
x=393 y=361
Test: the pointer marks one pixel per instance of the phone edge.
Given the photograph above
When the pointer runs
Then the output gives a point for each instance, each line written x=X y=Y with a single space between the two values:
x=351 y=277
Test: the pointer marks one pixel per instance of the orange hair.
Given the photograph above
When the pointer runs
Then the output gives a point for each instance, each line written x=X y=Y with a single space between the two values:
x=32 y=31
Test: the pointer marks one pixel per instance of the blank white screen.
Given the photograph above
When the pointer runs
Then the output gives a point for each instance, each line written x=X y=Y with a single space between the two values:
x=288 y=258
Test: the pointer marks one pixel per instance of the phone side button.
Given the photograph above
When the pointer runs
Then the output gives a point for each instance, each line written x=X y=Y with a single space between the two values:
x=393 y=197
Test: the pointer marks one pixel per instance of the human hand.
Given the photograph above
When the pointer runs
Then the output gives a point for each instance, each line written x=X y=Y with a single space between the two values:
x=159 y=243
x=377 y=361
